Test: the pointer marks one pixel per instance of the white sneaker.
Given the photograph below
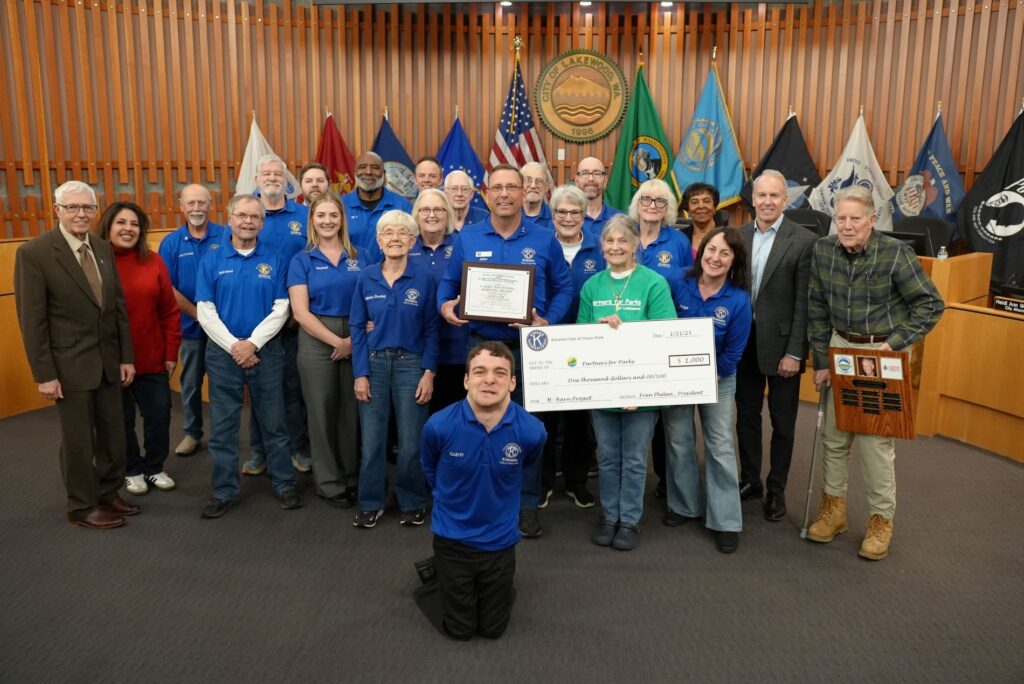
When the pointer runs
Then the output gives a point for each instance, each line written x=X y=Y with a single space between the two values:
x=136 y=484
x=161 y=481
x=187 y=446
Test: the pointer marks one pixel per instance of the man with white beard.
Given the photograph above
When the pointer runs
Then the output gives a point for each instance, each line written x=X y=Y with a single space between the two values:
x=368 y=202
x=181 y=251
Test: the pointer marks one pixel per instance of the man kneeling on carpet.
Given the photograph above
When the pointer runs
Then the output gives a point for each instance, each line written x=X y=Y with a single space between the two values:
x=473 y=454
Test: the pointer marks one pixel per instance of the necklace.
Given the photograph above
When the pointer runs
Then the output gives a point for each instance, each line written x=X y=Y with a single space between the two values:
x=617 y=296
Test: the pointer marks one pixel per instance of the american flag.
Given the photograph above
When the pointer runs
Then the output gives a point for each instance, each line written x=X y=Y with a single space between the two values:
x=516 y=141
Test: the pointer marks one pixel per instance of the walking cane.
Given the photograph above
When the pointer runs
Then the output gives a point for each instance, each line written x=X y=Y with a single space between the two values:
x=822 y=398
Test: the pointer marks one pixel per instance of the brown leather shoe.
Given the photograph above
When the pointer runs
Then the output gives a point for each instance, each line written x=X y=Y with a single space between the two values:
x=119 y=506
x=97 y=518
x=774 y=507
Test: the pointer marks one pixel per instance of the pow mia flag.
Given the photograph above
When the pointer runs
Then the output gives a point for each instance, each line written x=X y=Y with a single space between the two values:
x=788 y=155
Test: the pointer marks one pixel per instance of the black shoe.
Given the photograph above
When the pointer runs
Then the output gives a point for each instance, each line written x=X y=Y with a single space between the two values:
x=215 y=507
x=367 y=519
x=413 y=518
x=289 y=500
x=659 y=491
x=751 y=490
x=529 y=523
x=581 y=496
x=774 y=507
x=344 y=500
x=626 y=537
x=673 y=519
x=545 y=498
x=727 y=542
x=604 y=533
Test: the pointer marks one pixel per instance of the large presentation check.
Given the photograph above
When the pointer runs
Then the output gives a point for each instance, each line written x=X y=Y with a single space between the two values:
x=645 y=363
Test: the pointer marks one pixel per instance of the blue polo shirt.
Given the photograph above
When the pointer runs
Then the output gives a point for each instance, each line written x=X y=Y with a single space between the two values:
x=182 y=253
x=453 y=341
x=588 y=262
x=670 y=251
x=476 y=475
x=284 y=230
x=404 y=316
x=542 y=219
x=529 y=245
x=362 y=222
x=330 y=287
x=594 y=226
x=243 y=288
x=475 y=214
x=729 y=309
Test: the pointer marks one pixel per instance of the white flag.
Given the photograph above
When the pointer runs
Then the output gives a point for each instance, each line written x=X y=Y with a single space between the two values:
x=256 y=149
x=856 y=166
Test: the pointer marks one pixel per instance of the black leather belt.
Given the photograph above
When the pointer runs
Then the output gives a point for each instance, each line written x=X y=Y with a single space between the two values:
x=862 y=339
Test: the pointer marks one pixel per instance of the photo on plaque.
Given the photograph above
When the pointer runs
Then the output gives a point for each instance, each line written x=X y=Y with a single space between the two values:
x=867 y=366
x=499 y=293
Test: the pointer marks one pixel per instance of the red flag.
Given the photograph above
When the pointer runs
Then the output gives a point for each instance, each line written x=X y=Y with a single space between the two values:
x=335 y=155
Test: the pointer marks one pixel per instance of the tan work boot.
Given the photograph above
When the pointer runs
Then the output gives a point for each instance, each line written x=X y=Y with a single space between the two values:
x=831 y=519
x=877 y=540
x=187 y=446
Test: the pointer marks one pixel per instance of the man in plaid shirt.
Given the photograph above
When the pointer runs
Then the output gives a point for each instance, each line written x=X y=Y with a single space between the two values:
x=867 y=290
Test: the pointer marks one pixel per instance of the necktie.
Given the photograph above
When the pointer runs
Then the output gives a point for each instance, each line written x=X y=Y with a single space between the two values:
x=91 y=274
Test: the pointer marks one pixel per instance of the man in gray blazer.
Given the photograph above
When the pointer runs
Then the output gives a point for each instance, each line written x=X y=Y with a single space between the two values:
x=780 y=262
x=75 y=330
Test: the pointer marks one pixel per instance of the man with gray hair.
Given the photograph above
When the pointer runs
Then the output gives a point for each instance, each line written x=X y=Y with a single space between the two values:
x=458 y=186
x=776 y=351
x=74 y=326
x=368 y=202
x=537 y=183
x=867 y=290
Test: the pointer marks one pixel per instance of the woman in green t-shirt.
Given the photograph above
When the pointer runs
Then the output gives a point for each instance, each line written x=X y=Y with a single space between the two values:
x=624 y=291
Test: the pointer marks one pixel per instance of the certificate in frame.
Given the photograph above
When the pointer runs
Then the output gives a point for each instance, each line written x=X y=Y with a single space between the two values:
x=498 y=293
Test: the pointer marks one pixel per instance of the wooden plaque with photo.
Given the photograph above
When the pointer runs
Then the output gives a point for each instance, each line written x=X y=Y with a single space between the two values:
x=872 y=391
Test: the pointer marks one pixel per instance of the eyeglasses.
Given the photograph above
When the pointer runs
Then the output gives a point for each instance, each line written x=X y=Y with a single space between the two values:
x=508 y=187
x=458 y=189
x=534 y=181
x=392 y=234
x=89 y=209
x=568 y=213
x=433 y=211
x=242 y=218
x=591 y=174
x=659 y=202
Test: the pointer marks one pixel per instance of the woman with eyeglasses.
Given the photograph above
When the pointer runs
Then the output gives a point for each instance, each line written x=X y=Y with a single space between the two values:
x=716 y=288
x=433 y=250
x=154 y=319
x=624 y=291
x=585 y=259
x=394 y=365
x=662 y=247
x=321 y=279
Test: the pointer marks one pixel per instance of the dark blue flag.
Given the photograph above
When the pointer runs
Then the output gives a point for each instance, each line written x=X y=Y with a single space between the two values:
x=399 y=167
x=456 y=154
x=934 y=186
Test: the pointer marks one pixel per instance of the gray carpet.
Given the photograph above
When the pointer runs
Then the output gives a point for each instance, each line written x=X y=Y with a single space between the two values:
x=281 y=596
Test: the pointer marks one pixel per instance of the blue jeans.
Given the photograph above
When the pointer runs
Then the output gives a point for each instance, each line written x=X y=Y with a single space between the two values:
x=227 y=382
x=722 y=510
x=623 y=440
x=193 y=368
x=294 y=406
x=151 y=392
x=394 y=375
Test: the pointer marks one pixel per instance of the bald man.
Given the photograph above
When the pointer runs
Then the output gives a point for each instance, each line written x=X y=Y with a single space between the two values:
x=592 y=179
x=459 y=188
x=182 y=251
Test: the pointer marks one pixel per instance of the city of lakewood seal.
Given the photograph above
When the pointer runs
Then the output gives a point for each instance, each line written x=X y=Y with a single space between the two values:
x=581 y=95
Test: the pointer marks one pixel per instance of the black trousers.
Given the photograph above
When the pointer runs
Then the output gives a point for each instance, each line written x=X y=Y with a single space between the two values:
x=783 y=401
x=476 y=588
x=151 y=393
x=576 y=448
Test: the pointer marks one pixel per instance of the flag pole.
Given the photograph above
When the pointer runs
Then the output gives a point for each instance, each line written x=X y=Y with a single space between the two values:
x=517 y=43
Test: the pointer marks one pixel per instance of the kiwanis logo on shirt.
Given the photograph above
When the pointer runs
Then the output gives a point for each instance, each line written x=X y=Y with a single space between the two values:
x=529 y=253
x=214 y=246
x=664 y=258
x=295 y=228
x=412 y=297
x=589 y=266
x=264 y=270
x=510 y=454
x=352 y=264
x=448 y=252
x=721 y=315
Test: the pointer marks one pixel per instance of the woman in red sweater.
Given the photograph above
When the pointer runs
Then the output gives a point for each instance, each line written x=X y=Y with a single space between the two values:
x=156 y=335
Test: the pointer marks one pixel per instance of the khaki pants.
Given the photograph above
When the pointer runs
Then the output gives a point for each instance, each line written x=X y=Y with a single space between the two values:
x=877 y=456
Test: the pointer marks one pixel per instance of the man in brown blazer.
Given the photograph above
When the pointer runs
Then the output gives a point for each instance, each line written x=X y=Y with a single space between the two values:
x=75 y=330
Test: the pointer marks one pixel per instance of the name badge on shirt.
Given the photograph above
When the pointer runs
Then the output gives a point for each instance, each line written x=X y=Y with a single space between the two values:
x=484 y=255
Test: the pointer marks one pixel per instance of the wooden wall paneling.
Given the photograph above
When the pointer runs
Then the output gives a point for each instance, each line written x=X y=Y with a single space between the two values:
x=795 y=76
x=441 y=118
x=69 y=151
x=966 y=95
x=51 y=69
x=856 y=84
x=213 y=77
x=422 y=121
x=896 y=144
x=918 y=119
x=19 y=93
x=147 y=105
x=931 y=76
x=982 y=88
x=989 y=136
x=842 y=33
x=11 y=222
x=327 y=50
x=883 y=112
x=120 y=121
x=380 y=92
x=816 y=123
x=176 y=85
x=278 y=60
x=219 y=122
x=1015 y=65
x=770 y=73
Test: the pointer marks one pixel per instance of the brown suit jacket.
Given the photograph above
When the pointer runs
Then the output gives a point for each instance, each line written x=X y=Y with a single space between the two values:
x=67 y=335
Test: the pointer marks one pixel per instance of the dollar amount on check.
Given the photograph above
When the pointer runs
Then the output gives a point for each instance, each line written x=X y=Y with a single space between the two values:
x=644 y=363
